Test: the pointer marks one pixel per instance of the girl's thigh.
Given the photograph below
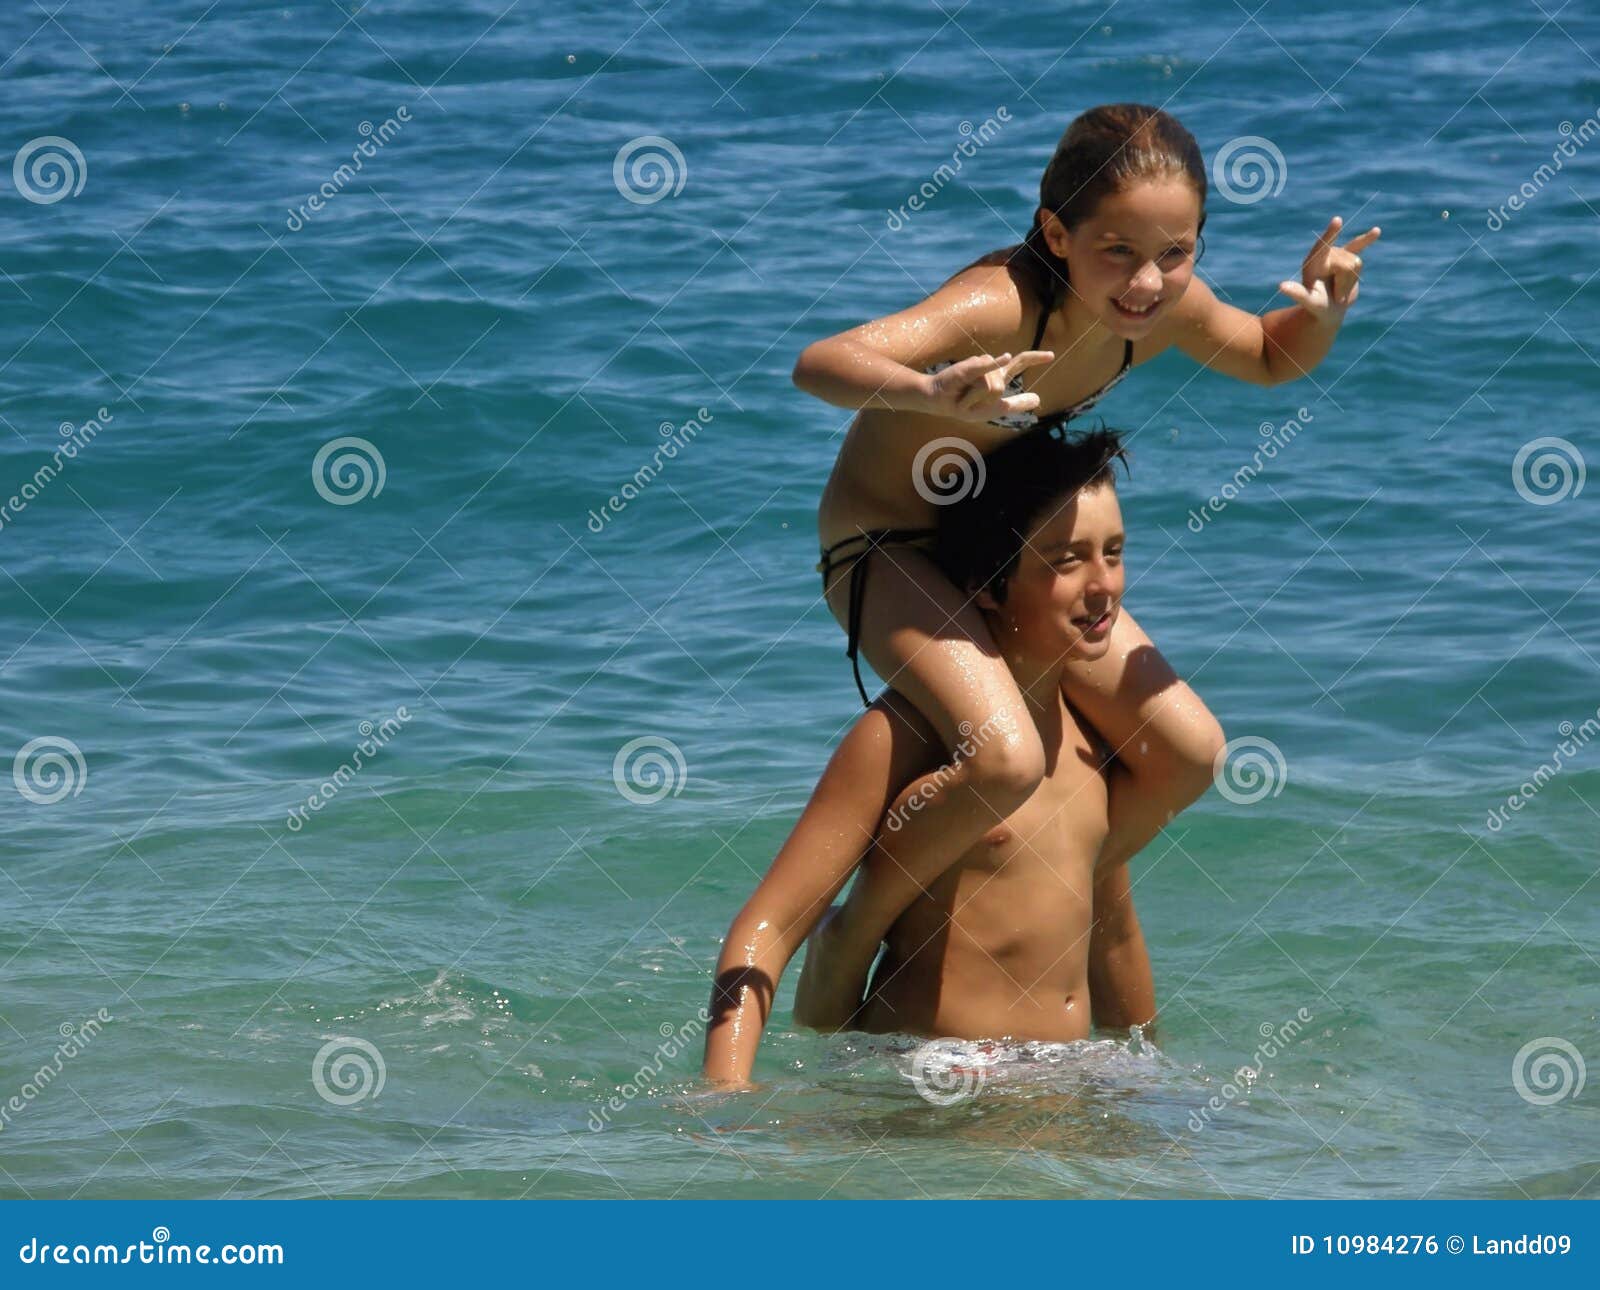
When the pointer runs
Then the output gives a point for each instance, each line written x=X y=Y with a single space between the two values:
x=930 y=642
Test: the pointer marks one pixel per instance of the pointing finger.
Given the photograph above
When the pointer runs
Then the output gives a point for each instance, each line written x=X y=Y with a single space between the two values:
x=1030 y=358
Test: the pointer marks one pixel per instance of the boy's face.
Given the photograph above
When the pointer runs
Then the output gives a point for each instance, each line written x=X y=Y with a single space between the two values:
x=1064 y=597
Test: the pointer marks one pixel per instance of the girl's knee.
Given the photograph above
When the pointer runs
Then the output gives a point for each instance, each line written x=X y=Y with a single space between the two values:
x=1179 y=758
x=1198 y=752
x=1007 y=770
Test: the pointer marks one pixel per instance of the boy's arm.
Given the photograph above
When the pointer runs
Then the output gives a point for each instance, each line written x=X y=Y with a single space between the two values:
x=1122 y=991
x=880 y=751
x=762 y=940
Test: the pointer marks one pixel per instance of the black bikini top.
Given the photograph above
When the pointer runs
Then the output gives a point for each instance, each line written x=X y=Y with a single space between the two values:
x=1053 y=420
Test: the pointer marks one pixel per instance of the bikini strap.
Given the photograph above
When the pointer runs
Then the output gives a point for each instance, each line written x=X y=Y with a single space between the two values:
x=1044 y=317
x=870 y=542
x=858 y=594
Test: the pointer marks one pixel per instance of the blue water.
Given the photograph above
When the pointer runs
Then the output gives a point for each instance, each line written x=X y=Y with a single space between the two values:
x=511 y=935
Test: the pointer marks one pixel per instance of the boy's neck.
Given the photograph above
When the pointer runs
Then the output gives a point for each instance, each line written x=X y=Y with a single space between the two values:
x=1038 y=679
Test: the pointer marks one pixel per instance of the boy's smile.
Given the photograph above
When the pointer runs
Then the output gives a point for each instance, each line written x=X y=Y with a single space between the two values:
x=1063 y=598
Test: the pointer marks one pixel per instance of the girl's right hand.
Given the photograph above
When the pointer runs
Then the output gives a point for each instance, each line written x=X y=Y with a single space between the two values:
x=974 y=389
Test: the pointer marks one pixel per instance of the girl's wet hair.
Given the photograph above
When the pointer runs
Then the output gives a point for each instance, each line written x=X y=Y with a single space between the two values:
x=1103 y=151
x=1024 y=483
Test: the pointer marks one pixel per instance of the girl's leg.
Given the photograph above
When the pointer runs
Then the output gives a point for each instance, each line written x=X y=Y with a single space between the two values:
x=1160 y=730
x=932 y=646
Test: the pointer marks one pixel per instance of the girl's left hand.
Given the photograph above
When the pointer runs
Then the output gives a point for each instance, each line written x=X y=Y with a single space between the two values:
x=1330 y=276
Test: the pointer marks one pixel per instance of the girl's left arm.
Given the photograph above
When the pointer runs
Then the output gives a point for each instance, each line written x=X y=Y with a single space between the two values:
x=1285 y=344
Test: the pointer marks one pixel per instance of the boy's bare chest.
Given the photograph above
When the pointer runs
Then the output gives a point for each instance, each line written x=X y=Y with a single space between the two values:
x=1055 y=830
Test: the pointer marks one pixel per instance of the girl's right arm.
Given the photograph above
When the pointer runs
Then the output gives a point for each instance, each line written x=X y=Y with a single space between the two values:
x=881 y=364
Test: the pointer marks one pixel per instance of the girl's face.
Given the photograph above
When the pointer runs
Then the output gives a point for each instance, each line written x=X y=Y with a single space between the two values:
x=1133 y=258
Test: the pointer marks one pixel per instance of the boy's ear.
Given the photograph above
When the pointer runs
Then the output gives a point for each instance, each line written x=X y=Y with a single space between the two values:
x=983 y=598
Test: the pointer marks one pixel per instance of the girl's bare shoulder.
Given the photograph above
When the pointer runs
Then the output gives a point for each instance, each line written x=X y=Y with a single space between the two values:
x=989 y=304
x=983 y=308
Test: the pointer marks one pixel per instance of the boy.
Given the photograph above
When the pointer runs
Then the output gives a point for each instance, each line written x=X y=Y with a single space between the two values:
x=1032 y=933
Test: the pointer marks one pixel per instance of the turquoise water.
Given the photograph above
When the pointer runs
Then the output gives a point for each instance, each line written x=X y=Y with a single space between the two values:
x=512 y=936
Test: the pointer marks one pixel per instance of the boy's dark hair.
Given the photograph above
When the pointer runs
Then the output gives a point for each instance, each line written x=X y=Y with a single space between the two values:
x=1023 y=482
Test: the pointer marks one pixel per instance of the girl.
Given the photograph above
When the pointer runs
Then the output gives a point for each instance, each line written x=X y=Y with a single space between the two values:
x=1103 y=282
